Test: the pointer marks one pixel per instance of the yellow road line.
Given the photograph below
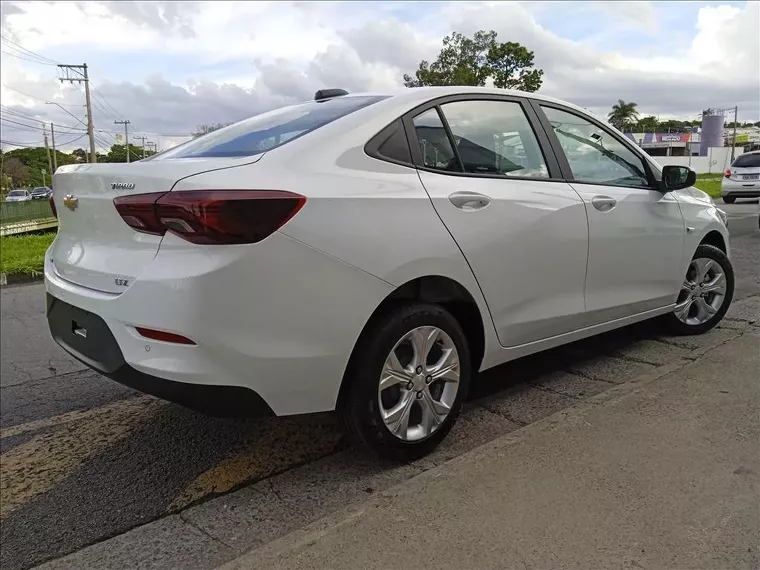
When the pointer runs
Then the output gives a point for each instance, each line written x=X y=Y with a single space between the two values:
x=284 y=443
x=38 y=465
x=66 y=418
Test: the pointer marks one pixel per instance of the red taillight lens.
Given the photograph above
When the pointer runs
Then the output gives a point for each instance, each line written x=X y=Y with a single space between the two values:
x=163 y=336
x=211 y=217
x=727 y=174
x=52 y=207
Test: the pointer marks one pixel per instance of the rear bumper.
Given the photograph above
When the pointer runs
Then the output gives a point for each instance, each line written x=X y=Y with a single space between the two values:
x=277 y=320
x=739 y=188
x=87 y=338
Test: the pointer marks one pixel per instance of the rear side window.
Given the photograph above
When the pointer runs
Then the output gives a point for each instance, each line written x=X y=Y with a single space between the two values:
x=391 y=144
x=269 y=130
x=747 y=161
x=435 y=145
x=495 y=137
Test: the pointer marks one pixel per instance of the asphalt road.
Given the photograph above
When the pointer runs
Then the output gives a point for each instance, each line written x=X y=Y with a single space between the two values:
x=84 y=459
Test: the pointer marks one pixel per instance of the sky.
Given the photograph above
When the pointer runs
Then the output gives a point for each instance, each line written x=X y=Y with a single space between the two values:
x=168 y=67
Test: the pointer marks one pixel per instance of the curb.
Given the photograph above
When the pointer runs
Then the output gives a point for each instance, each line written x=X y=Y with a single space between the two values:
x=20 y=279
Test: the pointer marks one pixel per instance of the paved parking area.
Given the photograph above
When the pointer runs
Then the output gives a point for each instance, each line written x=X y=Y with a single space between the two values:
x=84 y=460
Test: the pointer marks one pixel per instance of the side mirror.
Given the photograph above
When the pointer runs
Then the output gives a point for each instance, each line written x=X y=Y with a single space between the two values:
x=677 y=177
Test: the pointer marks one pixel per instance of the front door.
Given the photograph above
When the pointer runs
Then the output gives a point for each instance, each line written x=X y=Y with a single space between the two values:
x=636 y=233
x=523 y=233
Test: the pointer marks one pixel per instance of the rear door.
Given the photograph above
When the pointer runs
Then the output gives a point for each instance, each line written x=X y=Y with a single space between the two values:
x=522 y=230
x=636 y=233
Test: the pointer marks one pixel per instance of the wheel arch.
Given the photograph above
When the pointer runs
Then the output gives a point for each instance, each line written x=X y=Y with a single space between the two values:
x=439 y=290
x=714 y=238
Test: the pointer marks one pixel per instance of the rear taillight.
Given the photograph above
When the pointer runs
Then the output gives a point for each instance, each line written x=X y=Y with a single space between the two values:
x=52 y=207
x=211 y=216
x=727 y=173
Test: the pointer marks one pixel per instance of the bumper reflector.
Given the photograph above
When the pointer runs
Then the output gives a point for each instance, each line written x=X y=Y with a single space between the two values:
x=163 y=336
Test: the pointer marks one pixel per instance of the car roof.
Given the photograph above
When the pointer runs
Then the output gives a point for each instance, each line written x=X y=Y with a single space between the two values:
x=419 y=95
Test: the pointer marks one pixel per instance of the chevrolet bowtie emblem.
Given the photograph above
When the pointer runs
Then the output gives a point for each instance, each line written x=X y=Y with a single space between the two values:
x=70 y=202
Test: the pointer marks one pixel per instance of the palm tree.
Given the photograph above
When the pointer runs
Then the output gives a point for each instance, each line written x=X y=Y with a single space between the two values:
x=623 y=114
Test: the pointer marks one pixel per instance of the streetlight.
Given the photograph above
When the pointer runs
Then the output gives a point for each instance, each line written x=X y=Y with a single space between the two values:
x=65 y=110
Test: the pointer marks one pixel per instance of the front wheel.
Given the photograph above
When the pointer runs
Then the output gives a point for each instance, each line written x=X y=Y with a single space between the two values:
x=706 y=293
x=406 y=382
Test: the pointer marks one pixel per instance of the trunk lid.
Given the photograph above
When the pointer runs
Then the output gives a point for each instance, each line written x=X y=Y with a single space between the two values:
x=746 y=168
x=94 y=247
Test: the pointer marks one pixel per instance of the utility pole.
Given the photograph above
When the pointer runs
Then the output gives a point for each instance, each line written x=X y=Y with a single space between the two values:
x=152 y=146
x=126 y=135
x=78 y=74
x=55 y=158
x=142 y=139
x=733 y=142
x=50 y=160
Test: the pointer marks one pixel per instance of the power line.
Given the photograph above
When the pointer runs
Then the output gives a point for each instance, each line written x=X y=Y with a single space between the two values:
x=37 y=98
x=29 y=52
x=17 y=123
x=104 y=100
x=26 y=145
x=30 y=60
x=36 y=119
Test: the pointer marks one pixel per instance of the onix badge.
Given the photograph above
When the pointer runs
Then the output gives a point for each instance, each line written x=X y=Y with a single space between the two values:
x=70 y=202
x=122 y=185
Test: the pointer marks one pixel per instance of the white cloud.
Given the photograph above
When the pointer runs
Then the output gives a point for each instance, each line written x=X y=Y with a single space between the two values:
x=169 y=66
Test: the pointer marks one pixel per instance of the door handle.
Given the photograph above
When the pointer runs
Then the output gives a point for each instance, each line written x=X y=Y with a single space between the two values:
x=469 y=201
x=603 y=203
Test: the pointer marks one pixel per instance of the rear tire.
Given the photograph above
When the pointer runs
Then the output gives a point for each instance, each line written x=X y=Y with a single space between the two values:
x=423 y=396
x=729 y=199
x=705 y=295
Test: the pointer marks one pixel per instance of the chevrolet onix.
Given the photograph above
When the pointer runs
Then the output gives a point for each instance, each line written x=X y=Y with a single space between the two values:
x=370 y=253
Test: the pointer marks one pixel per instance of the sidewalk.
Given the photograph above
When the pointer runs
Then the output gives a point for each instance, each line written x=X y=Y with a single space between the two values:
x=662 y=474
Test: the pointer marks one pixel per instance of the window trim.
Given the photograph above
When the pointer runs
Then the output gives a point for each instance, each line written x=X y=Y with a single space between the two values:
x=544 y=143
x=559 y=152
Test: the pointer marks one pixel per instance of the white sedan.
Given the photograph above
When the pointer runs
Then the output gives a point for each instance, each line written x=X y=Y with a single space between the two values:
x=370 y=253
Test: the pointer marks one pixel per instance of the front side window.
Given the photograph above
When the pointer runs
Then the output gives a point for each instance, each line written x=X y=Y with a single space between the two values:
x=594 y=154
x=495 y=137
x=268 y=130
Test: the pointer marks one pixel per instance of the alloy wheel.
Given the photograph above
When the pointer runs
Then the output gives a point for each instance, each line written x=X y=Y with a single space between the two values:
x=419 y=383
x=702 y=292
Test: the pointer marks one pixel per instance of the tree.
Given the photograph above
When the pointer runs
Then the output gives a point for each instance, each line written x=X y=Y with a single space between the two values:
x=471 y=61
x=623 y=114
x=206 y=129
x=80 y=155
x=118 y=153
x=16 y=170
x=647 y=124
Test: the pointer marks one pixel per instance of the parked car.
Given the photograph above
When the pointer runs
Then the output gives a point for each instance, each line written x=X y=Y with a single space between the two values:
x=41 y=193
x=742 y=179
x=370 y=253
x=18 y=195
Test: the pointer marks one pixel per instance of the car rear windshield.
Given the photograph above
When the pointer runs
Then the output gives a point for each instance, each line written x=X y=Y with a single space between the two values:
x=17 y=193
x=269 y=130
x=747 y=161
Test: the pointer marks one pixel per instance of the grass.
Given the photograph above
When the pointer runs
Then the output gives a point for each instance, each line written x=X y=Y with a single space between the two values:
x=710 y=183
x=24 y=254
